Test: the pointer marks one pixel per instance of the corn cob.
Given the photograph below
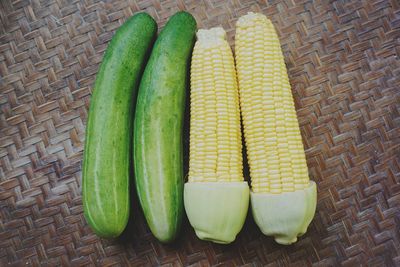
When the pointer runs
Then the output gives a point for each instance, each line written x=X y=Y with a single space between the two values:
x=216 y=197
x=215 y=137
x=282 y=196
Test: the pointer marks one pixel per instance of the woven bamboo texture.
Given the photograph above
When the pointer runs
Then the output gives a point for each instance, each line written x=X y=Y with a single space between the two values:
x=343 y=59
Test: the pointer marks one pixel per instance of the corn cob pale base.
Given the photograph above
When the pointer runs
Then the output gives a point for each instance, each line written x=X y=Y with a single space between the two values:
x=283 y=199
x=216 y=198
x=284 y=216
x=217 y=210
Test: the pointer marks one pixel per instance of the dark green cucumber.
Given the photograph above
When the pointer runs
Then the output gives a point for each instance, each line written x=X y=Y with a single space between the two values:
x=158 y=127
x=106 y=162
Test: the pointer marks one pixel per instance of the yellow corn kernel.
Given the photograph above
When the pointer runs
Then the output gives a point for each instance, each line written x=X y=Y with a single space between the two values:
x=215 y=137
x=273 y=140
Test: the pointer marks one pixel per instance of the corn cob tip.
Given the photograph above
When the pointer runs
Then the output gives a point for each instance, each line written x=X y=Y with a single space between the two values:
x=217 y=210
x=285 y=216
x=251 y=18
x=211 y=37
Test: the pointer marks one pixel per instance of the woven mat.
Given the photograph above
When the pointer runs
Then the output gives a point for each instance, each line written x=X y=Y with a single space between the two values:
x=344 y=67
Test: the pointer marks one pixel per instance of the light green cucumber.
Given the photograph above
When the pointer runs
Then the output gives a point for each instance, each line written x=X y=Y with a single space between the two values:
x=158 y=127
x=106 y=163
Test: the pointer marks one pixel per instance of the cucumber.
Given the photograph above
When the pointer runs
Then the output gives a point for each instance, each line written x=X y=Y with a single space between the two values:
x=106 y=163
x=158 y=127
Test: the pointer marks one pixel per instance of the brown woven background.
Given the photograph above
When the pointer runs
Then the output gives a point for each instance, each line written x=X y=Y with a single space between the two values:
x=344 y=65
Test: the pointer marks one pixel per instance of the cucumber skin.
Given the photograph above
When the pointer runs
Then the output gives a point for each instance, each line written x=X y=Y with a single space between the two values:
x=106 y=164
x=158 y=127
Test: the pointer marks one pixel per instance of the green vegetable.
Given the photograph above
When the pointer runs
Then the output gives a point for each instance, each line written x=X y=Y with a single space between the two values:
x=106 y=162
x=158 y=127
